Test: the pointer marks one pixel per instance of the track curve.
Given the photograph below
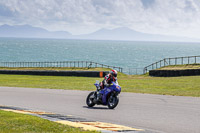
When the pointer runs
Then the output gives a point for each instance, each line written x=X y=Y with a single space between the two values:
x=159 y=113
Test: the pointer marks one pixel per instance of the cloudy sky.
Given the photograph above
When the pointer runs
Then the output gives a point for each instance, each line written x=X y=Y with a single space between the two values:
x=169 y=17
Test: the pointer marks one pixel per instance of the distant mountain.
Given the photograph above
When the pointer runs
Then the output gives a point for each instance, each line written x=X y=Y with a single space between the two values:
x=124 y=33
x=28 y=31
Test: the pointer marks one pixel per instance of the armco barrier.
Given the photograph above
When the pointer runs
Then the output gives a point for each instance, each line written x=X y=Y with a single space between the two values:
x=56 y=73
x=174 y=73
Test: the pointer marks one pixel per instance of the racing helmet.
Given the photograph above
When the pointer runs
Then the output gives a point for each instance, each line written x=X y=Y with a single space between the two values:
x=113 y=73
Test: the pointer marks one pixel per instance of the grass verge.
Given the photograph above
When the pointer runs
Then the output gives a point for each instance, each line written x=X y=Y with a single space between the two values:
x=181 y=67
x=17 y=123
x=179 y=86
x=56 y=68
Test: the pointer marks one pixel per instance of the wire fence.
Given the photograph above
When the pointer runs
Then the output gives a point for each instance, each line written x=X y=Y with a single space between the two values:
x=90 y=64
x=70 y=64
x=172 y=61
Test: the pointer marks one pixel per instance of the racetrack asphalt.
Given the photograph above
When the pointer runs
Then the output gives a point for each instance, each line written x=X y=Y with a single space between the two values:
x=156 y=113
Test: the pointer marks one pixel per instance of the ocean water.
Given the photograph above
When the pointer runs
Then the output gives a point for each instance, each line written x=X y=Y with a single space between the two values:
x=125 y=54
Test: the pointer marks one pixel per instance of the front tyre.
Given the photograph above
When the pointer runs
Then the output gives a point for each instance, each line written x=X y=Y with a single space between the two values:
x=89 y=100
x=113 y=101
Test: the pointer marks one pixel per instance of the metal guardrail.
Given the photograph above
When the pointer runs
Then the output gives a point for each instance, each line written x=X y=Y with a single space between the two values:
x=172 y=61
x=78 y=64
x=90 y=64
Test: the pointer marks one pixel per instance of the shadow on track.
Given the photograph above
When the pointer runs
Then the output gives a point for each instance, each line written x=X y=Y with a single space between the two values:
x=103 y=108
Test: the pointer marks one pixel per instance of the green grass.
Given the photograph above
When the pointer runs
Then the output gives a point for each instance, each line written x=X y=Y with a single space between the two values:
x=51 y=82
x=56 y=68
x=180 y=86
x=180 y=67
x=20 y=123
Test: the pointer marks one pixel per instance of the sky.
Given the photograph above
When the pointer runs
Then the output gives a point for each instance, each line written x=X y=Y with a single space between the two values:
x=167 y=17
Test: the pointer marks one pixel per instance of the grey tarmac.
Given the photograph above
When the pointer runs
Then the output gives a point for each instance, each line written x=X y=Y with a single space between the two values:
x=154 y=113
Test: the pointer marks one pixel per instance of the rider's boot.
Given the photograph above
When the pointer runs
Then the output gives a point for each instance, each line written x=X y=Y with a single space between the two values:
x=98 y=92
x=98 y=95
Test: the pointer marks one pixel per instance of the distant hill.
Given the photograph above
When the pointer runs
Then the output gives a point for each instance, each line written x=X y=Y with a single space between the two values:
x=28 y=31
x=122 y=33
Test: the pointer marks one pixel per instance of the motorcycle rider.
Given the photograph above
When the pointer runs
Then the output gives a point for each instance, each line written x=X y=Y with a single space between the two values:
x=109 y=78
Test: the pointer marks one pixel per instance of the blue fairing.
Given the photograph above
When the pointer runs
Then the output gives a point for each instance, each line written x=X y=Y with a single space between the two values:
x=108 y=90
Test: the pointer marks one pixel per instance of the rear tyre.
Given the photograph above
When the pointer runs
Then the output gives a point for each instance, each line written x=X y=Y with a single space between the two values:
x=113 y=101
x=90 y=100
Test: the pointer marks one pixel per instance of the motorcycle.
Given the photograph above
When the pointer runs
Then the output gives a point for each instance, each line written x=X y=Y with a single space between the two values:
x=108 y=96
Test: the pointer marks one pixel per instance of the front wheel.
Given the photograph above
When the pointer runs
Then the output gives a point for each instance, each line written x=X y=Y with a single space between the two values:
x=89 y=100
x=113 y=101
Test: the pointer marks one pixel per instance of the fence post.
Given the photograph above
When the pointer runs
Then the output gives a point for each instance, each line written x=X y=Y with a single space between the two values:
x=188 y=60
x=169 y=61
x=195 y=60
x=175 y=61
x=182 y=60
x=164 y=62
x=160 y=63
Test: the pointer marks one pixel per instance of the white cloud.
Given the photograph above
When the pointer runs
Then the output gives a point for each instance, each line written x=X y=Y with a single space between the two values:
x=176 y=17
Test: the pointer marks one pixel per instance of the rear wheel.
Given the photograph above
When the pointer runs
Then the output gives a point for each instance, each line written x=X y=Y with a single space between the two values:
x=113 y=101
x=90 y=99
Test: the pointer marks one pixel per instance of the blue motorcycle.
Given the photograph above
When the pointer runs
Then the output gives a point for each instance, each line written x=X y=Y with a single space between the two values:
x=108 y=96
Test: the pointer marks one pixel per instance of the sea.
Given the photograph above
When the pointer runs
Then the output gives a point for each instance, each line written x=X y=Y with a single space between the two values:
x=130 y=55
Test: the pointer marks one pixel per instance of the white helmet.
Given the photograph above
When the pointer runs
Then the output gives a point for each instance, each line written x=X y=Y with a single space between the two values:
x=113 y=73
